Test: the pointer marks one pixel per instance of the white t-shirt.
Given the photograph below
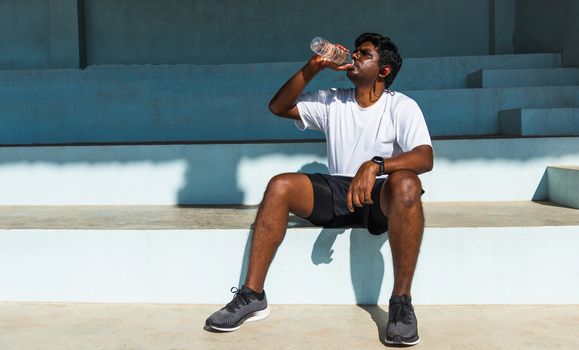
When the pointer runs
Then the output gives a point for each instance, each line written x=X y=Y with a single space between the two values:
x=392 y=125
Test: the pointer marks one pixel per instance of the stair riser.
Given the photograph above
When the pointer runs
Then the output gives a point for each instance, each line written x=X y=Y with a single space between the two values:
x=523 y=77
x=464 y=170
x=456 y=266
x=540 y=122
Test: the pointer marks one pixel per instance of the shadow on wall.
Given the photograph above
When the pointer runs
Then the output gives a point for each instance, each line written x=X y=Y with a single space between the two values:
x=213 y=179
x=366 y=261
x=218 y=178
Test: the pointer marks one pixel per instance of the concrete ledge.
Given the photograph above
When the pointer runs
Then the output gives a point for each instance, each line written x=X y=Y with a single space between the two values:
x=483 y=266
x=563 y=183
x=166 y=217
x=496 y=78
x=539 y=122
x=194 y=255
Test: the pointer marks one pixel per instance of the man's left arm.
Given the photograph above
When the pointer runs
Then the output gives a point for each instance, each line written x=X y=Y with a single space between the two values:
x=419 y=160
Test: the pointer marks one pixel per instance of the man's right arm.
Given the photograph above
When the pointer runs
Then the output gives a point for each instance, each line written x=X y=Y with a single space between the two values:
x=283 y=104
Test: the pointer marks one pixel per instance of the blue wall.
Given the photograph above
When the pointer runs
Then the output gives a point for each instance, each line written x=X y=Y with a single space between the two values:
x=40 y=34
x=232 y=31
x=544 y=27
x=71 y=33
x=154 y=75
x=24 y=37
x=58 y=33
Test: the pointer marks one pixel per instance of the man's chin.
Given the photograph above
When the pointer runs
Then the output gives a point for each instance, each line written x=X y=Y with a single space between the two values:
x=351 y=74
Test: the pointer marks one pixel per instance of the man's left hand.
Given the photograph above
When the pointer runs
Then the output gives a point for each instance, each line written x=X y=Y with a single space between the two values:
x=360 y=190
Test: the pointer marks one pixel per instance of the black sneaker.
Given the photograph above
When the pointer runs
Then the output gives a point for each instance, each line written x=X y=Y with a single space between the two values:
x=402 y=324
x=245 y=307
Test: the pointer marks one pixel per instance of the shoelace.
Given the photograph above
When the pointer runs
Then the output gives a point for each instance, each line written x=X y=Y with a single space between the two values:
x=403 y=312
x=238 y=301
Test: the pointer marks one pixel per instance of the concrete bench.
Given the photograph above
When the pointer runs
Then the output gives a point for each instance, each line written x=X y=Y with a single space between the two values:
x=473 y=253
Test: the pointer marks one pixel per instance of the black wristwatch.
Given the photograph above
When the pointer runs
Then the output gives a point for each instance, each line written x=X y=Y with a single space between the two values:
x=380 y=161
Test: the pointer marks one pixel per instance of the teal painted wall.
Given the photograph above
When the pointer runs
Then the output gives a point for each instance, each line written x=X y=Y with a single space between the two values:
x=58 y=33
x=40 y=34
x=134 y=91
x=24 y=38
x=548 y=27
x=51 y=33
x=233 y=31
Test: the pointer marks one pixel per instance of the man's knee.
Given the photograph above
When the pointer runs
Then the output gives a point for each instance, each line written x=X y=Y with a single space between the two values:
x=404 y=188
x=278 y=185
x=292 y=189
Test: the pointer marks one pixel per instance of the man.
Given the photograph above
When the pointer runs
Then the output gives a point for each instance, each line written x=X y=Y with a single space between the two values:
x=377 y=143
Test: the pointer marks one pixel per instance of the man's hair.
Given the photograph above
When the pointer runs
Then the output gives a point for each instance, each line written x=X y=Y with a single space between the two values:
x=389 y=55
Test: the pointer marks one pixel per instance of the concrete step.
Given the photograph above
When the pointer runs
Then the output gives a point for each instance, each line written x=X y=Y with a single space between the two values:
x=563 y=183
x=475 y=111
x=206 y=103
x=68 y=326
x=178 y=116
x=539 y=121
x=416 y=73
x=464 y=170
x=491 y=78
x=452 y=72
x=117 y=254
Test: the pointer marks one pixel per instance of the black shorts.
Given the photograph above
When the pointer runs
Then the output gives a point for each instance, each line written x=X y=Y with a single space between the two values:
x=330 y=208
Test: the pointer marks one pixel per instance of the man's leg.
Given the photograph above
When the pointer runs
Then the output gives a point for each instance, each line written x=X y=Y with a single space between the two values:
x=400 y=202
x=285 y=193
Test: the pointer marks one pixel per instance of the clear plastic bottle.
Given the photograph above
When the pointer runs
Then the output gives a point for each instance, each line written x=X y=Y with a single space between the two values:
x=330 y=51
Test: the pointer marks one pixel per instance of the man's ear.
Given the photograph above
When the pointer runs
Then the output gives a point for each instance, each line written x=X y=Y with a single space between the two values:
x=384 y=71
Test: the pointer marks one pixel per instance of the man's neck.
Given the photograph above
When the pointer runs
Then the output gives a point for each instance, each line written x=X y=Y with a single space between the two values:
x=368 y=95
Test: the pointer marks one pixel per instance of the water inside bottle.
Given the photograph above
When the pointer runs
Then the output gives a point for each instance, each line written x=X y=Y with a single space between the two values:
x=330 y=51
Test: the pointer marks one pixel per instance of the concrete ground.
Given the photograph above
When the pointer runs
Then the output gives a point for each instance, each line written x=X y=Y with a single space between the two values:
x=27 y=326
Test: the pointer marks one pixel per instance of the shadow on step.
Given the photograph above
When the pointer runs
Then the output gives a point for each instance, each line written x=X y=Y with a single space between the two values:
x=380 y=317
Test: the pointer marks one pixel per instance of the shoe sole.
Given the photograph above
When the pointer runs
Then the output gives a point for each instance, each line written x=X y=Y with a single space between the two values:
x=402 y=342
x=256 y=316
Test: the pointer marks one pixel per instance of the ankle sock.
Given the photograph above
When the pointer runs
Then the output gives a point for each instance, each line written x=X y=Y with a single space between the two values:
x=259 y=296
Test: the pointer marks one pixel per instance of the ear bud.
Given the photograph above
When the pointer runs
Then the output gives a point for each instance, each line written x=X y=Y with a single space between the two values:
x=385 y=70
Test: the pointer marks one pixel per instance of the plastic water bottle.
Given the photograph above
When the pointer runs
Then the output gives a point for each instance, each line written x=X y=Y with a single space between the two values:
x=330 y=51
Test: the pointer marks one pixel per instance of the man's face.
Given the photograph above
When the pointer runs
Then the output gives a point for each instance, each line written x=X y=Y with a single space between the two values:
x=366 y=64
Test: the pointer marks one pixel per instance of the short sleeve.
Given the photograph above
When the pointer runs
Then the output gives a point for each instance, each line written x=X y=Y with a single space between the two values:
x=313 y=109
x=411 y=129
